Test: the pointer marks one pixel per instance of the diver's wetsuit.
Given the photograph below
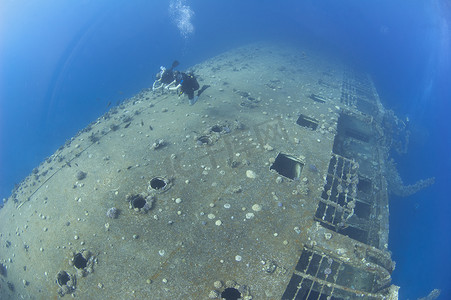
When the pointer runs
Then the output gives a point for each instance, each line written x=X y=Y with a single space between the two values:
x=167 y=77
x=188 y=84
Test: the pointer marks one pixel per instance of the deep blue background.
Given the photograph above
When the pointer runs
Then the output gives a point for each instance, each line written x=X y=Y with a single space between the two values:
x=61 y=62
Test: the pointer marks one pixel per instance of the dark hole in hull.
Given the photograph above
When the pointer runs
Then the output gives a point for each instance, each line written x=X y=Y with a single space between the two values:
x=79 y=261
x=362 y=210
x=230 y=294
x=157 y=183
x=204 y=140
x=364 y=185
x=287 y=166
x=307 y=122
x=138 y=201
x=317 y=98
x=62 y=278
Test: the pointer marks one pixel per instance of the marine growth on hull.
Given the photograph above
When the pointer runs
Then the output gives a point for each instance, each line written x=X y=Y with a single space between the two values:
x=273 y=185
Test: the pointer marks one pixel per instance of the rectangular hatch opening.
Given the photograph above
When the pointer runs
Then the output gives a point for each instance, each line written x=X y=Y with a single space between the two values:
x=287 y=166
x=317 y=98
x=307 y=122
x=364 y=185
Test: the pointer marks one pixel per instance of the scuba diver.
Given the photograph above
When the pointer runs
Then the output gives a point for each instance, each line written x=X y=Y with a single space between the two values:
x=165 y=77
x=186 y=83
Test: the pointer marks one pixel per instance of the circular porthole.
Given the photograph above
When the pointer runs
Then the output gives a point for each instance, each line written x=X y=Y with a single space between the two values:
x=79 y=261
x=137 y=201
x=204 y=140
x=62 y=278
x=231 y=294
x=66 y=282
x=158 y=183
x=216 y=128
x=140 y=202
x=83 y=262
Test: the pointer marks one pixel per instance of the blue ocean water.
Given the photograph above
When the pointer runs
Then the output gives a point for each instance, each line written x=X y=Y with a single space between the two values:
x=63 y=62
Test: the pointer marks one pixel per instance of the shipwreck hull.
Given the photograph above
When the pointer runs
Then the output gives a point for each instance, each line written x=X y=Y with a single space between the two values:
x=271 y=187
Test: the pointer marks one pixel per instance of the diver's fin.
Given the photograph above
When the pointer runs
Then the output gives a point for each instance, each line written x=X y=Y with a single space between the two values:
x=202 y=89
x=194 y=100
x=175 y=64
